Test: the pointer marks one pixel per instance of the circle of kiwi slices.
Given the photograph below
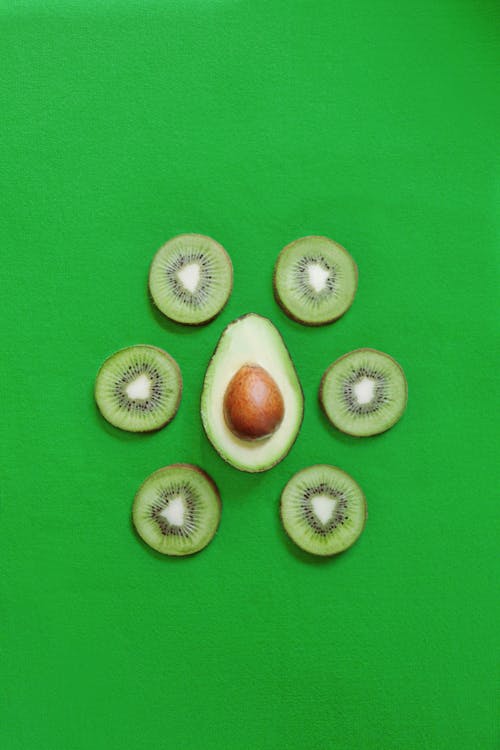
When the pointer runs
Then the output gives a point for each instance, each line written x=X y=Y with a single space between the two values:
x=139 y=388
x=364 y=392
x=315 y=280
x=191 y=278
x=177 y=510
x=323 y=510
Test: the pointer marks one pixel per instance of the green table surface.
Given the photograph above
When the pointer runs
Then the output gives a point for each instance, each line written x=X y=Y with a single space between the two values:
x=125 y=123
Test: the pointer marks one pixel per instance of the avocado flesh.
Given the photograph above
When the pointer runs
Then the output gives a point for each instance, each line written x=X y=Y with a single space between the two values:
x=251 y=339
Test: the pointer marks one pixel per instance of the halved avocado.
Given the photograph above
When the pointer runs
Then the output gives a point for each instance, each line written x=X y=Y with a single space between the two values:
x=251 y=342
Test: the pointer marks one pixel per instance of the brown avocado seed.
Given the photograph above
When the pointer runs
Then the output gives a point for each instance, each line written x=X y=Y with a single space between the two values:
x=253 y=404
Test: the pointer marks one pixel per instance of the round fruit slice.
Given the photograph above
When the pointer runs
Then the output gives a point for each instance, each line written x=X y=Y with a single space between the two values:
x=315 y=280
x=139 y=388
x=323 y=510
x=177 y=510
x=364 y=392
x=191 y=278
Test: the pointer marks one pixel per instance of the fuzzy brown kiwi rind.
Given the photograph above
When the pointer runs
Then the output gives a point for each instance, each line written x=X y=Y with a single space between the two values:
x=280 y=302
x=322 y=401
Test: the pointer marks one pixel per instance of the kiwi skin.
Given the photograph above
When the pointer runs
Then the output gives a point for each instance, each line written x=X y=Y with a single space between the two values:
x=194 y=467
x=249 y=471
x=275 y=290
x=328 y=554
x=178 y=370
x=231 y=280
x=322 y=404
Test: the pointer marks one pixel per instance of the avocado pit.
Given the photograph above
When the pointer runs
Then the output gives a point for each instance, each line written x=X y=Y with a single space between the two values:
x=253 y=404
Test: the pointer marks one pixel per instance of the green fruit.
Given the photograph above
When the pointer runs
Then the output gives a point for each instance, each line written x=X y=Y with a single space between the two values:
x=177 y=510
x=323 y=510
x=315 y=280
x=139 y=388
x=252 y=403
x=191 y=278
x=364 y=392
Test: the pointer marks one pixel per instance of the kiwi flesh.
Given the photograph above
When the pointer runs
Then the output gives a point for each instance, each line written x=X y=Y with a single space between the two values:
x=315 y=280
x=177 y=510
x=191 y=278
x=364 y=392
x=139 y=388
x=323 y=510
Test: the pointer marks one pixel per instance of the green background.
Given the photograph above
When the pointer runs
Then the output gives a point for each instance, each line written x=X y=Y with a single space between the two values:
x=124 y=123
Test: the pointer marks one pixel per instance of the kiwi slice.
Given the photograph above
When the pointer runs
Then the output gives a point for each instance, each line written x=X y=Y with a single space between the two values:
x=315 y=280
x=139 y=388
x=323 y=510
x=177 y=510
x=191 y=278
x=364 y=392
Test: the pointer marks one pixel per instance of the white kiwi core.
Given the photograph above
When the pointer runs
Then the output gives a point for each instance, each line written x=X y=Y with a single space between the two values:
x=364 y=390
x=318 y=276
x=174 y=512
x=139 y=389
x=323 y=507
x=189 y=276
